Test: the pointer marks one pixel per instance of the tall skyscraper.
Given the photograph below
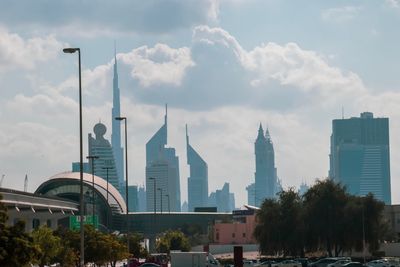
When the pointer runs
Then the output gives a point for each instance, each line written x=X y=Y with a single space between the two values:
x=116 y=130
x=141 y=199
x=265 y=175
x=251 y=194
x=198 y=179
x=101 y=148
x=359 y=157
x=223 y=199
x=162 y=165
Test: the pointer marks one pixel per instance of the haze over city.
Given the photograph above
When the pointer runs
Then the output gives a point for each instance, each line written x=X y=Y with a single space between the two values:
x=222 y=66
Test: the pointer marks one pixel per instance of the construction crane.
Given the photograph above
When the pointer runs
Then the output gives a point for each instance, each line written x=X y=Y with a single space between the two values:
x=1 y=181
x=26 y=183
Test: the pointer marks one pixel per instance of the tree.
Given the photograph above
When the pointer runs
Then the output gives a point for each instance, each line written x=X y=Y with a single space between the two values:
x=173 y=240
x=135 y=247
x=49 y=245
x=69 y=252
x=16 y=246
x=280 y=228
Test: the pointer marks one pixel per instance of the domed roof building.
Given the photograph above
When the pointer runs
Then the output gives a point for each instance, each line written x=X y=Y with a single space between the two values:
x=107 y=201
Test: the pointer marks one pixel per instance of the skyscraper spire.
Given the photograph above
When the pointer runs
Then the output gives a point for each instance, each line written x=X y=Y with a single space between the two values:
x=267 y=135
x=187 y=135
x=116 y=126
x=260 y=132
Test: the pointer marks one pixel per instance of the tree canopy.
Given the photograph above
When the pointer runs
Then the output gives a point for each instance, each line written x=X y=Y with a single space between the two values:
x=325 y=218
x=173 y=240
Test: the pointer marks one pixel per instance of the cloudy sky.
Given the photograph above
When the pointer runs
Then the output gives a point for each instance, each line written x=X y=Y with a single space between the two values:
x=223 y=66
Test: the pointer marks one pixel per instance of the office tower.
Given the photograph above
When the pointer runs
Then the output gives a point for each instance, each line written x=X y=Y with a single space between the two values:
x=116 y=130
x=265 y=175
x=76 y=167
x=223 y=199
x=162 y=166
x=359 y=157
x=303 y=189
x=198 y=179
x=101 y=148
x=251 y=189
x=133 y=198
x=141 y=199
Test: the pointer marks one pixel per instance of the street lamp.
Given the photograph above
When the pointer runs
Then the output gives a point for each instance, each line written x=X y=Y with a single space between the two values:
x=81 y=204
x=92 y=158
x=107 y=168
x=160 y=189
x=126 y=177
x=169 y=209
x=154 y=179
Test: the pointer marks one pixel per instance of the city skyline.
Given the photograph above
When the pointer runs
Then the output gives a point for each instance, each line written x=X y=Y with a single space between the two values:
x=293 y=65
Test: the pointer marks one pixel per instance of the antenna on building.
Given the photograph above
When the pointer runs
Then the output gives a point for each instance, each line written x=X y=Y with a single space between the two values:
x=26 y=183
x=1 y=181
x=187 y=135
x=342 y=112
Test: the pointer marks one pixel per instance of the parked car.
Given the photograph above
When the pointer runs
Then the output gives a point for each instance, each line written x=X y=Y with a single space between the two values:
x=353 y=264
x=339 y=263
x=287 y=263
x=325 y=261
x=267 y=263
x=149 y=264
x=378 y=263
x=248 y=263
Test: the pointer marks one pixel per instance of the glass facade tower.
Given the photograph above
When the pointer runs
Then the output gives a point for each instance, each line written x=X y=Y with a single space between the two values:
x=359 y=157
x=198 y=180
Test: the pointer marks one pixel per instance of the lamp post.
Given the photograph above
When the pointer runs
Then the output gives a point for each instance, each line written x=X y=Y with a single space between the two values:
x=92 y=158
x=107 y=168
x=81 y=204
x=160 y=189
x=154 y=198
x=169 y=209
x=126 y=177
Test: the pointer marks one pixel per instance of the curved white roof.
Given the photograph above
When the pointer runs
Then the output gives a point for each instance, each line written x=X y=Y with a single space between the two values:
x=98 y=181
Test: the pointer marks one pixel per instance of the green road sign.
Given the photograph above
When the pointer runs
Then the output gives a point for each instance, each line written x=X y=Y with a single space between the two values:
x=74 y=221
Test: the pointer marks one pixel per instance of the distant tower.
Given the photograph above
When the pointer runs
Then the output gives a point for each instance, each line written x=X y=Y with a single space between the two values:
x=116 y=130
x=265 y=175
x=162 y=164
x=198 y=180
x=101 y=147
x=360 y=157
x=26 y=183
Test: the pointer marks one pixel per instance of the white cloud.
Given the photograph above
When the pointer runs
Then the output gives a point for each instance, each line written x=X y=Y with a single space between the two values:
x=17 y=52
x=160 y=64
x=393 y=3
x=340 y=14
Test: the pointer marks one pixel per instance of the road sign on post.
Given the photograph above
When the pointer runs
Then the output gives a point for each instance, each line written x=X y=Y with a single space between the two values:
x=74 y=221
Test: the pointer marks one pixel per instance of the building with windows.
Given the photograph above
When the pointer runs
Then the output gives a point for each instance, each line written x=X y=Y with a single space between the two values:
x=359 y=156
x=198 y=179
x=103 y=166
x=266 y=174
x=251 y=194
x=162 y=172
x=116 y=129
x=223 y=199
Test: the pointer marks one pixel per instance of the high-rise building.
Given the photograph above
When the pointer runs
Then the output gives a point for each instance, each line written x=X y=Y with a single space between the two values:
x=76 y=167
x=198 y=179
x=141 y=199
x=133 y=198
x=251 y=194
x=162 y=169
x=359 y=157
x=116 y=130
x=265 y=175
x=223 y=199
x=100 y=147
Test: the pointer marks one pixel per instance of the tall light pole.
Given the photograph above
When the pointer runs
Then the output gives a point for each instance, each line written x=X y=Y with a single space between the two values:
x=160 y=189
x=126 y=177
x=169 y=209
x=92 y=158
x=81 y=204
x=107 y=168
x=154 y=198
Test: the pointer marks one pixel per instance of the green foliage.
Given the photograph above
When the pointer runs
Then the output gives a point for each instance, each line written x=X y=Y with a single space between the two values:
x=326 y=218
x=172 y=240
x=280 y=228
x=49 y=245
x=135 y=247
